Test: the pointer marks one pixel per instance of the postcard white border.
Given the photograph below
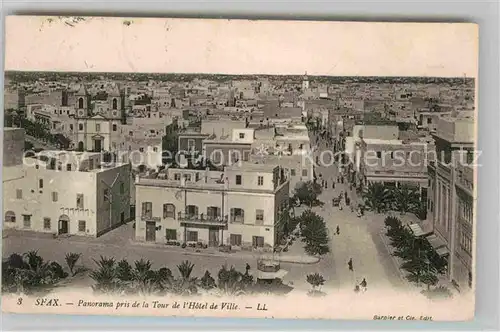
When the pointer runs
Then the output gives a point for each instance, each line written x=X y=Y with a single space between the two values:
x=488 y=141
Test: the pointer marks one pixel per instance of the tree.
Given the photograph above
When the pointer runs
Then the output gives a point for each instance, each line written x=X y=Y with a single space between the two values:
x=314 y=233
x=143 y=278
x=28 y=146
x=71 y=260
x=376 y=197
x=122 y=278
x=316 y=280
x=186 y=284
x=124 y=270
x=420 y=210
x=391 y=222
x=29 y=273
x=207 y=282
x=106 y=278
x=420 y=270
x=405 y=198
x=230 y=281
x=308 y=192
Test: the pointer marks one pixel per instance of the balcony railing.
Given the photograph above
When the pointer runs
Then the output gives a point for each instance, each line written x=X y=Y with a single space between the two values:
x=202 y=218
x=150 y=218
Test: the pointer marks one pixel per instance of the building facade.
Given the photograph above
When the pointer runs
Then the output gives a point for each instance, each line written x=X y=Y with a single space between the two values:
x=239 y=207
x=451 y=204
x=41 y=199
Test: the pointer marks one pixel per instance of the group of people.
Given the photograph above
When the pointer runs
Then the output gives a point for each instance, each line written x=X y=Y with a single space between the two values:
x=342 y=199
x=362 y=286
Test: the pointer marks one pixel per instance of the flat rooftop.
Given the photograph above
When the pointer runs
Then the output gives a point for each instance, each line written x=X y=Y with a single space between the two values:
x=252 y=167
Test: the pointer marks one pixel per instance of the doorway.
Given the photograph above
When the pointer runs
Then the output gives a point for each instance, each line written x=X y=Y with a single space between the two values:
x=213 y=237
x=63 y=227
x=97 y=145
x=150 y=231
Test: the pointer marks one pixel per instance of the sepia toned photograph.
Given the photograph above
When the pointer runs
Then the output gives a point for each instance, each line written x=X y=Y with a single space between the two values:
x=239 y=168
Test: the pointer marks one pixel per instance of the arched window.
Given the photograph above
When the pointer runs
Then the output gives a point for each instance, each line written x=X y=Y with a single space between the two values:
x=115 y=104
x=10 y=216
x=80 y=146
x=168 y=210
x=80 y=102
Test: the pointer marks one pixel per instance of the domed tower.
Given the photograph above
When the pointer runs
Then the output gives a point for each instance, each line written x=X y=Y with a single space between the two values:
x=305 y=82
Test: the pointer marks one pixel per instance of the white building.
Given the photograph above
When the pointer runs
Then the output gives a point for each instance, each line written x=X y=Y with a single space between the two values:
x=239 y=207
x=63 y=192
x=452 y=198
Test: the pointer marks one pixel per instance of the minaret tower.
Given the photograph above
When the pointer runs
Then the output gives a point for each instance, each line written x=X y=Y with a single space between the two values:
x=305 y=82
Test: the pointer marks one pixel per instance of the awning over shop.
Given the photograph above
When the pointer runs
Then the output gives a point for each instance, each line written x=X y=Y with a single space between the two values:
x=443 y=251
x=416 y=229
x=435 y=241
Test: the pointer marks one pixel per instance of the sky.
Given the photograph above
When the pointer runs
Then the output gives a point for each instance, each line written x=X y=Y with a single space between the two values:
x=159 y=45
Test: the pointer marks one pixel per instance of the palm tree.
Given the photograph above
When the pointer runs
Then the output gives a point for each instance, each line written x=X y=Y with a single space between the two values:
x=124 y=270
x=185 y=269
x=29 y=273
x=106 y=277
x=230 y=282
x=207 y=282
x=316 y=280
x=71 y=260
x=143 y=277
x=406 y=198
x=185 y=285
x=376 y=196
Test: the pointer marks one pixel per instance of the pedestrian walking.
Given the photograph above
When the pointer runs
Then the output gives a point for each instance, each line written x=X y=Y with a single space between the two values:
x=326 y=184
x=352 y=208
x=356 y=289
x=338 y=230
x=345 y=195
x=247 y=268
x=333 y=184
x=363 y=285
x=349 y=264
